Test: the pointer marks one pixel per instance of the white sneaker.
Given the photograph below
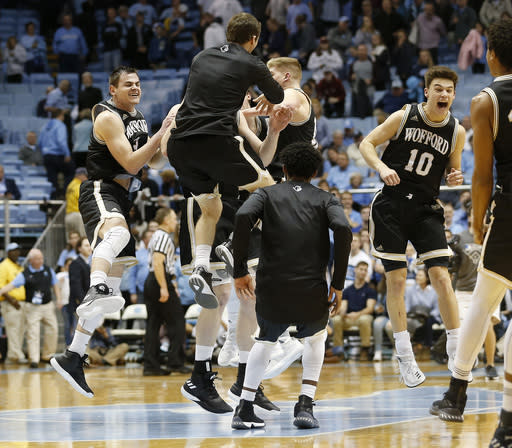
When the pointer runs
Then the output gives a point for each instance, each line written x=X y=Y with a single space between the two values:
x=228 y=355
x=451 y=366
x=290 y=350
x=410 y=373
x=377 y=356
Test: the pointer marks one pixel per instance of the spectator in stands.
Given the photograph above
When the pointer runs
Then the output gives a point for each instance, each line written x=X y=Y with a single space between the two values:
x=323 y=59
x=225 y=9
x=394 y=99
x=304 y=40
x=15 y=55
x=57 y=99
x=73 y=220
x=415 y=8
x=365 y=218
x=79 y=275
x=322 y=129
x=356 y=182
x=67 y=315
x=339 y=175
x=365 y=32
x=8 y=187
x=464 y=18
x=214 y=34
x=137 y=274
x=449 y=224
x=353 y=216
x=171 y=188
x=35 y=47
x=403 y=55
x=126 y=23
x=53 y=141
x=357 y=255
x=332 y=94
x=277 y=10
x=111 y=35
x=353 y=152
x=149 y=189
x=147 y=11
x=381 y=323
x=337 y=141
x=81 y=135
x=275 y=40
x=330 y=162
x=86 y=21
x=357 y=310
x=103 y=348
x=361 y=76
x=29 y=153
x=12 y=305
x=89 y=95
x=41 y=105
x=159 y=48
x=423 y=63
x=70 y=46
x=348 y=132
x=39 y=280
x=387 y=21
x=340 y=36
x=472 y=50
x=175 y=24
x=430 y=30
x=296 y=9
x=70 y=250
x=139 y=37
x=493 y=10
x=381 y=62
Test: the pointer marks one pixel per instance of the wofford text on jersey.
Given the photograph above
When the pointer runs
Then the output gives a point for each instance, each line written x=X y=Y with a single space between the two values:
x=136 y=126
x=420 y=135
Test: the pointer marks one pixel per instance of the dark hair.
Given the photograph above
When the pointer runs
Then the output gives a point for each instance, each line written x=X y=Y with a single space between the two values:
x=498 y=37
x=114 y=77
x=301 y=160
x=80 y=242
x=440 y=71
x=28 y=24
x=161 y=214
x=242 y=27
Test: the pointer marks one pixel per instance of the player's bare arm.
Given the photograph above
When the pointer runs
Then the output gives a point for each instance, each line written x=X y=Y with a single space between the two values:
x=109 y=127
x=482 y=123
x=161 y=156
x=293 y=99
x=453 y=173
x=378 y=136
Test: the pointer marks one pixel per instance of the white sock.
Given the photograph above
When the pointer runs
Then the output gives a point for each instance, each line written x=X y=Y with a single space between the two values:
x=244 y=357
x=255 y=369
x=115 y=284
x=403 y=343
x=80 y=340
x=203 y=252
x=452 y=338
x=98 y=277
x=203 y=352
x=308 y=390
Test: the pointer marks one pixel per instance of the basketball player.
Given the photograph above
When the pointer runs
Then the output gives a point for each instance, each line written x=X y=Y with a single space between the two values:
x=425 y=144
x=118 y=149
x=291 y=285
x=491 y=123
x=204 y=147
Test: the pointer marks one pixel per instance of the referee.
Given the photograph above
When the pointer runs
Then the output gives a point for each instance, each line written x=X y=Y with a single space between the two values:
x=162 y=302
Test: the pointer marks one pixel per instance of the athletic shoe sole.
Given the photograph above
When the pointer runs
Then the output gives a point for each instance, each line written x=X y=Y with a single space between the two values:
x=203 y=295
x=277 y=367
x=69 y=378
x=226 y=257
x=100 y=306
x=201 y=403
x=305 y=422
x=450 y=418
x=238 y=423
x=236 y=399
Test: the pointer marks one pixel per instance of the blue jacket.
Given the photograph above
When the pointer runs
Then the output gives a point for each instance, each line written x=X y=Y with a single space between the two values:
x=53 y=139
x=70 y=41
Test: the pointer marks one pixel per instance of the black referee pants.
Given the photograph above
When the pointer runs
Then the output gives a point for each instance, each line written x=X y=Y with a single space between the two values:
x=170 y=313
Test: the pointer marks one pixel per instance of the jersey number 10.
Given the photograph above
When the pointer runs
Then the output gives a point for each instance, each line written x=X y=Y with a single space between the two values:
x=424 y=163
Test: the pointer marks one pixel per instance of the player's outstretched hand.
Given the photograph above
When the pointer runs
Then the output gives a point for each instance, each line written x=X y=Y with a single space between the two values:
x=280 y=117
x=244 y=287
x=263 y=106
x=454 y=178
x=389 y=177
x=334 y=301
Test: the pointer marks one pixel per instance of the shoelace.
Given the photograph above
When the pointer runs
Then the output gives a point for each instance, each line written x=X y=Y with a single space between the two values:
x=83 y=360
x=212 y=391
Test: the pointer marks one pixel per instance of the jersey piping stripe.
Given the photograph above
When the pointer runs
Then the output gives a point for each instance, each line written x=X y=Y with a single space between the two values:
x=103 y=211
x=300 y=123
x=503 y=78
x=433 y=123
x=402 y=123
x=455 y=134
x=496 y=109
x=126 y=261
x=435 y=254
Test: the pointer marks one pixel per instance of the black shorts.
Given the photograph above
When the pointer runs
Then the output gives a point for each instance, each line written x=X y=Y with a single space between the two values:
x=190 y=213
x=395 y=221
x=495 y=260
x=203 y=161
x=100 y=200
x=270 y=331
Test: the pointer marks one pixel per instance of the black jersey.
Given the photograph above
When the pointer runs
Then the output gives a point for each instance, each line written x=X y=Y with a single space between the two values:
x=101 y=164
x=500 y=91
x=420 y=150
x=218 y=81
x=304 y=131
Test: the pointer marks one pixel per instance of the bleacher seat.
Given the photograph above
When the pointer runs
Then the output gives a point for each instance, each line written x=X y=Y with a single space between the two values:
x=145 y=74
x=41 y=78
x=166 y=73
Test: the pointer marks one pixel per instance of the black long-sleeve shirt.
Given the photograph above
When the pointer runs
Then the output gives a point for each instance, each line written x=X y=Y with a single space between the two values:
x=291 y=282
x=218 y=81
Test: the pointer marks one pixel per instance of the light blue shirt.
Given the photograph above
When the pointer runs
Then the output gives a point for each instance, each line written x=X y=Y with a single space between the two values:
x=340 y=178
x=82 y=131
x=27 y=41
x=19 y=280
x=147 y=10
x=139 y=272
x=293 y=12
x=427 y=297
x=53 y=139
x=467 y=165
x=64 y=255
x=70 y=41
x=56 y=98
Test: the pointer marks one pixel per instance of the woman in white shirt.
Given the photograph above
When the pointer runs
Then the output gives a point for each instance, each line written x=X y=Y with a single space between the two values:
x=324 y=58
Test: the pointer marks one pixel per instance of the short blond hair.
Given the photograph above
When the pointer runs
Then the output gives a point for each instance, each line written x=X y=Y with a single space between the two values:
x=290 y=65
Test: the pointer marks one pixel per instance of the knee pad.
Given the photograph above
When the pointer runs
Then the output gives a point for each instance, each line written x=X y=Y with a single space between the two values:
x=114 y=241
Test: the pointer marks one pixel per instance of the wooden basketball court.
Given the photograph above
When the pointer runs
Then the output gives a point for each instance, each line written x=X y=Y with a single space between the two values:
x=358 y=405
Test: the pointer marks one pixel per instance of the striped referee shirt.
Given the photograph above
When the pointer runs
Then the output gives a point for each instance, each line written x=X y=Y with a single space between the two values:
x=161 y=241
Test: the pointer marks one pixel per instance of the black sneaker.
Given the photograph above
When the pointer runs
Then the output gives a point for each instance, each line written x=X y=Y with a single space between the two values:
x=200 y=389
x=491 y=373
x=70 y=366
x=99 y=300
x=502 y=436
x=225 y=253
x=303 y=413
x=451 y=407
x=201 y=283
x=260 y=400
x=245 y=418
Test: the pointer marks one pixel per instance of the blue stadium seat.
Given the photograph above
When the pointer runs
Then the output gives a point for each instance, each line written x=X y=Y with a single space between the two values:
x=42 y=78
x=17 y=89
x=6 y=98
x=166 y=73
x=145 y=74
